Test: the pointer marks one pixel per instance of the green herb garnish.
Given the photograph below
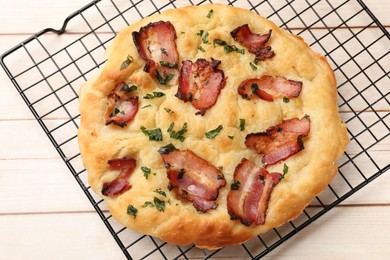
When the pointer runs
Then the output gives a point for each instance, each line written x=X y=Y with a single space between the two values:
x=242 y=124
x=115 y=112
x=161 y=192
x=286 y=99
x=167 y=149
x=285 y=171
x=160 y=204
x=210 y=13
x=163 y=81
x=235 y=185
x=200 y=33
x=148 y=204
x=254 y=88
x=164 y=51
x=168 y=65
x=168 y=110
x=146 y=171
x=126 y=63
x=131 y=210
x=154 y=95
x=231 y=137
x=252 y=66
x=178 y=135
x=153 y=134
x=227 y=48
x=126 y=88
x=148 y=105
x=262 y=179
x=201 y=49
x=219 y=176
x=181 y=174
x=204 y=38
x=213 y=133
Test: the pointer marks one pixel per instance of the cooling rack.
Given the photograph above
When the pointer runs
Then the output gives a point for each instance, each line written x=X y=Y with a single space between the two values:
x=48 y=79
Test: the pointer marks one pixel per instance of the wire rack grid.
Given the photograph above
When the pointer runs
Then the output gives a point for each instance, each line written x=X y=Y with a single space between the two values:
x=49 y=79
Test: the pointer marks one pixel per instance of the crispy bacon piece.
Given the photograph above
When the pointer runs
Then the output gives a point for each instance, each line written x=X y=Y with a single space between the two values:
x=193 y=177
x=156 y=44
x=121 y=183
x=200 y=83
x=280 y=141
x=248 y=197
x=122 y=107
x=270 y=87
x=254 y=43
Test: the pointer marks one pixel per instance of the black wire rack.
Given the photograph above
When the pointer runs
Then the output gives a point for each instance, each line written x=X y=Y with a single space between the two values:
x=48 y=70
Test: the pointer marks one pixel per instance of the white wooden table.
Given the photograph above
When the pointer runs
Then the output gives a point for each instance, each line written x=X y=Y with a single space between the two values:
x=45 y=215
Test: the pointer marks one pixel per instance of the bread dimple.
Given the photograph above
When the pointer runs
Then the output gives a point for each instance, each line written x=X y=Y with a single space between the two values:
x=309 y=171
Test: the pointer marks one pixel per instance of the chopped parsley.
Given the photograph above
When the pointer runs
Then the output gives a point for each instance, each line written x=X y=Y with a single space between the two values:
x=128 y=89
x=153 y=134
x=167 y=149
x=169 y=111
x=256 y=61
x=181 y=174
x=286 y=99
x=226 y=47
x=148 y=204
x=154 y=95
x=254 y=88
x=146 y=171
x=220 y=176
x=148 y=105
x=164 y=51
x=178 y=135
x=131 y=210
x=161 y=192
x=213 y=133
x=168 y=65
x=201 y=49
x=200 y=33
x=129 y=59
x=231 y=137
x=242 y=124
x=235 y=185
x=210 y=13
x=160 y=204
x=253 y=66
x=285 y=171
x=115 y=112
x=163 y=81
x=204 y=38
x=262 y=179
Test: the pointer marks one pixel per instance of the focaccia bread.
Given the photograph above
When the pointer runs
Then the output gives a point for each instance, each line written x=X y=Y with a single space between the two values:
x=209 y=125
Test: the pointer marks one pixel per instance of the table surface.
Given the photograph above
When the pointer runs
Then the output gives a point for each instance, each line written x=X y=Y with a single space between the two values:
x=45 y=215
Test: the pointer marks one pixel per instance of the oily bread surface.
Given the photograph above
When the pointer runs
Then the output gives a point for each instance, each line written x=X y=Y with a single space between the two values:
x=310 y=170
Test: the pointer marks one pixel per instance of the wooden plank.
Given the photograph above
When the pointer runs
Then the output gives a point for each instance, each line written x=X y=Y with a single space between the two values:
x=49 y=235
x=20 y=13
x=51 y=187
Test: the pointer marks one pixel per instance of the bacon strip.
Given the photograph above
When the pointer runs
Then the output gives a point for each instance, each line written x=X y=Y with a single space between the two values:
x=249 y=200
x=269 y=87
x=200 y=83
x=280 y=141
x=194 y=178
x=122 y=107
x=121 y=183
x=156 y=44
x=254 y=43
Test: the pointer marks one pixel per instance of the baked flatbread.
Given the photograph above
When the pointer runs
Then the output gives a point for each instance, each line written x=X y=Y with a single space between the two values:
x=209 y=125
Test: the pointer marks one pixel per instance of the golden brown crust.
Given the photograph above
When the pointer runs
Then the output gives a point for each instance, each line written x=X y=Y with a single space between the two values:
x=310 y=171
